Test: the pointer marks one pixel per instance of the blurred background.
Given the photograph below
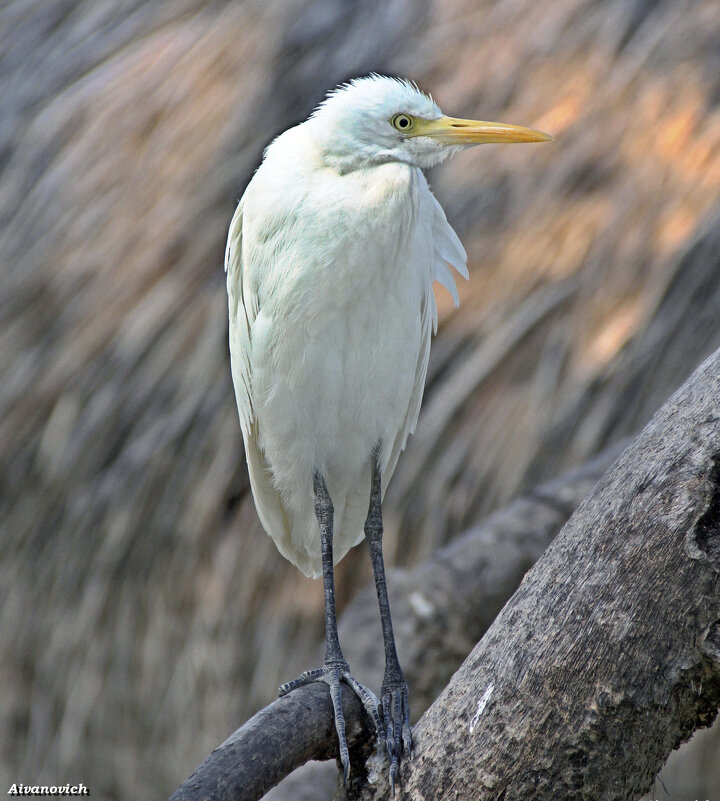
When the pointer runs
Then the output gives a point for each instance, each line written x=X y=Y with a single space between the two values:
x=144 y=614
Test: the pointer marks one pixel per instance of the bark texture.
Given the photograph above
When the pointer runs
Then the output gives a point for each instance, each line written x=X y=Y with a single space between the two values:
x=608 y=655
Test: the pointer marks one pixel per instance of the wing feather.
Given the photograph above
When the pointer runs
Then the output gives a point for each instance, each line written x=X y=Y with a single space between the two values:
x=243 y=308
x=242 y=315
x=448 y=252
x=429 y=314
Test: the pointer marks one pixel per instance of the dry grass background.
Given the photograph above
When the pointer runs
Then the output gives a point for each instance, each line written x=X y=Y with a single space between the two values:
x=144 y=613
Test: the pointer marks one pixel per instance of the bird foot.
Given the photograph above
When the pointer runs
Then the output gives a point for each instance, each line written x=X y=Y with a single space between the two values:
x=396 y=718
x=332 y=674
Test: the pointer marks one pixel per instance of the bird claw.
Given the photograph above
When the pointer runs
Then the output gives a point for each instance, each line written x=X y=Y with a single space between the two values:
x=398 y=734
x=332 y=674
x=307 y=677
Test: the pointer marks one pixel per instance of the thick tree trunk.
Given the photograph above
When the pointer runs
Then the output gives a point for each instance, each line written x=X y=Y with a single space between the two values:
x=608 y=655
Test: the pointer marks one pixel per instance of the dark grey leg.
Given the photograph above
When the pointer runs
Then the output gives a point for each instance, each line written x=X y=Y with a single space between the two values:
x=324 y=513
x=336 y=669
x=394 y=693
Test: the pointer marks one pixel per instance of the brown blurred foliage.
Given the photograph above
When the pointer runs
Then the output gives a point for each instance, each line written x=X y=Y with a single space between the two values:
x=144 y=613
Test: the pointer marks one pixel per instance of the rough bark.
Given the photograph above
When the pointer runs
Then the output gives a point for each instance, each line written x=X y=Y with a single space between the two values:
x=608 y=655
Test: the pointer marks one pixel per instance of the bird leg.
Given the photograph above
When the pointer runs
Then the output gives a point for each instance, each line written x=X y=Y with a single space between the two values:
x=394 y=692
x=336 y=668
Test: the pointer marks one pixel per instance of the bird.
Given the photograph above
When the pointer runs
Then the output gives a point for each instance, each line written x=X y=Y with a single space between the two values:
x=331 y=258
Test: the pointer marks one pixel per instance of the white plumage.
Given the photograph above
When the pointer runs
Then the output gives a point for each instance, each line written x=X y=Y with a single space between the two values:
x=330 y=262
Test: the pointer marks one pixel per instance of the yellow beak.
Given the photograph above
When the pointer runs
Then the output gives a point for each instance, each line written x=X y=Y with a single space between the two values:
x=453 y=131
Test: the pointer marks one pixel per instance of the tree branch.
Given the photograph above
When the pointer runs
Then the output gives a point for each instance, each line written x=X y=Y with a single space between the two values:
x=608 y=655
x=281 y=737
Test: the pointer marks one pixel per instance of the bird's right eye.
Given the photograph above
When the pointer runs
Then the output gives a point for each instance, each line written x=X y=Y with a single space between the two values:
x=402 y=122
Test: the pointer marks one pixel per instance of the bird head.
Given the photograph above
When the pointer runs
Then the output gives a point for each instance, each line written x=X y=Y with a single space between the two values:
x=375 y=120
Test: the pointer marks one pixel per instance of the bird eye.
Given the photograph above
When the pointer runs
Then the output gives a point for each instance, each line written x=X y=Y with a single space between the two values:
x=402 y=122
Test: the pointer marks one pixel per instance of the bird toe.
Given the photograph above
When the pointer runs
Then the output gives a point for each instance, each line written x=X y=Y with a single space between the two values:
x=332 y=674
x=396 y=716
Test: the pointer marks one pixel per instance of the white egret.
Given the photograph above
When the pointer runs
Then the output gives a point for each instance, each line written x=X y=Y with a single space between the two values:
x=330 y=260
